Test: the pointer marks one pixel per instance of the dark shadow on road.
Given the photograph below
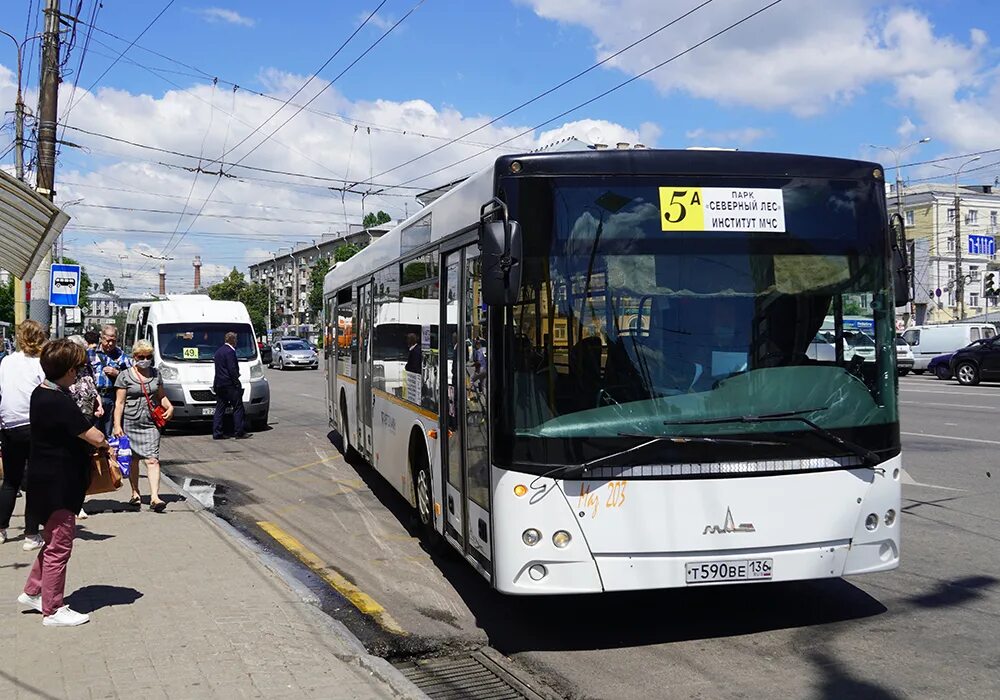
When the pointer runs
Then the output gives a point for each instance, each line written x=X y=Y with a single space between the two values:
x=517 y=624
x=17 y=565
x=82 y=533
x=838 y=683
x=957 y=592
x=90 y=598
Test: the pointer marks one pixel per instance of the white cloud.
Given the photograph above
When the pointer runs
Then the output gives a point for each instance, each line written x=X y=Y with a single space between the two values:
x=727 y=137
x=221 y=14
x=274 y=210
x=801 y=56
x=377 y=21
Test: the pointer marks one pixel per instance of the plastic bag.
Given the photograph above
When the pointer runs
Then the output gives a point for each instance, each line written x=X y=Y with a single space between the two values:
x=124 y=450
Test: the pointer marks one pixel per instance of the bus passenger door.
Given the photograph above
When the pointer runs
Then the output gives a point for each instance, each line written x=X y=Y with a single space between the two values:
x=365 y=397
x=464 y=421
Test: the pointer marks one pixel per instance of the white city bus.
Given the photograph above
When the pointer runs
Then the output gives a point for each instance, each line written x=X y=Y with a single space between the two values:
x=588 y=371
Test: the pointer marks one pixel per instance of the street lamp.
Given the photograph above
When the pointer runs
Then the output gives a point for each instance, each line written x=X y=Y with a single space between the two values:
x=896 y=154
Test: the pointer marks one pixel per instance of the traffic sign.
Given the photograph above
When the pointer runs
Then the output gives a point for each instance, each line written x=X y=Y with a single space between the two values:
x=64 y=285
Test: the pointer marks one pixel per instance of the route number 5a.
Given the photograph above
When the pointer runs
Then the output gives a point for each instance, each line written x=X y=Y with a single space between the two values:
x=681 y=209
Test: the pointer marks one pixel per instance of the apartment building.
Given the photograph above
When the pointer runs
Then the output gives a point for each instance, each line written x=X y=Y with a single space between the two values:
x=936 y=215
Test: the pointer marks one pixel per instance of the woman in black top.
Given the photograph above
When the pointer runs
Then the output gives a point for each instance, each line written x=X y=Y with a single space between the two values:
x=62 y=440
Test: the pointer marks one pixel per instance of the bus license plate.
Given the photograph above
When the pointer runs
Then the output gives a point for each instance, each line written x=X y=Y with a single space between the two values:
x=723 y=571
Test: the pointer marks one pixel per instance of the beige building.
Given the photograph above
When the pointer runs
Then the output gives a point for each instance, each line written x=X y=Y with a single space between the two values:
x=931 y=213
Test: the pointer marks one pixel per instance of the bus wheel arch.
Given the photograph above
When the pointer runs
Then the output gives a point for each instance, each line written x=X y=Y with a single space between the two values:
x=420 y=472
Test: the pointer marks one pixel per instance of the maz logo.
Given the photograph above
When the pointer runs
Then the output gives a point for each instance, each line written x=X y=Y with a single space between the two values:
x=728 y=526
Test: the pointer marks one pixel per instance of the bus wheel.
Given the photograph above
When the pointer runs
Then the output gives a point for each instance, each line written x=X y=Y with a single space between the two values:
x=344 y=429
x=422 y=491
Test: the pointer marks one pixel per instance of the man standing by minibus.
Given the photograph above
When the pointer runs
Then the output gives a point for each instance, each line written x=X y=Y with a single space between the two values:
x=228 y=390
x=107 y=361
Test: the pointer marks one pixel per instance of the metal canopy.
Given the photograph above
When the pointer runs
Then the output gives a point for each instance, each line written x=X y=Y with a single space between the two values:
x=29 y=224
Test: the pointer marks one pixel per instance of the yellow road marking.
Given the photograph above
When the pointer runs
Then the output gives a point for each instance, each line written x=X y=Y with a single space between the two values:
x=304 y=466
x=358 y=598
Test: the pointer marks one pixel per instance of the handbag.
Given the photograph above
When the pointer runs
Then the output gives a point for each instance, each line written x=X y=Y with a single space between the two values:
x=157 y=413
x=105 y=476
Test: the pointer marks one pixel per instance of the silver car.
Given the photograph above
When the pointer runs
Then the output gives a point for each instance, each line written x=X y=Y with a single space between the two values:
x=287 y=354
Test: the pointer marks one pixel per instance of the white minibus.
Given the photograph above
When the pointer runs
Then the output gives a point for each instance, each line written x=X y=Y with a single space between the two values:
x=185 y=331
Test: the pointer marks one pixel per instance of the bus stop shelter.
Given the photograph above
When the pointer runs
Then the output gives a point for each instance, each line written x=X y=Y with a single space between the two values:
x=29 y=225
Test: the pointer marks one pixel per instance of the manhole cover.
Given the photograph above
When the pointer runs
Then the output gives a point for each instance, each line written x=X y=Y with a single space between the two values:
x=469 y=676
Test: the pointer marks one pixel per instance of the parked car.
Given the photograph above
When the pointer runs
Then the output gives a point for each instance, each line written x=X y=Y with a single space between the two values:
x=930 y=341
x=940 y=366
x=977 y=362
x=859 y=343
x=293 y=353
x=904 y=357
x=821 y=349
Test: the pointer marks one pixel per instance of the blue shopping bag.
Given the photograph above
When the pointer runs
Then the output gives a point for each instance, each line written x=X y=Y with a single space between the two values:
x=124 y=453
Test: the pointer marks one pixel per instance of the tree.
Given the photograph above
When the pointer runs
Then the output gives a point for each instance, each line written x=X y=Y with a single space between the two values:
x=107 y=285
x=316 y=276
x=7 y=301
x=120 y=326
x=346 y=252
x=376 y=219
x=234 y=287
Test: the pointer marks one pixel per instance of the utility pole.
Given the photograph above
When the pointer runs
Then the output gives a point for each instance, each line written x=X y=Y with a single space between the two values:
x=959 y=275
x=48 y=109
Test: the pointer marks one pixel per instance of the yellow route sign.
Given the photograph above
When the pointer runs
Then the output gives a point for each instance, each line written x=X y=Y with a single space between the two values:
x=721 y=209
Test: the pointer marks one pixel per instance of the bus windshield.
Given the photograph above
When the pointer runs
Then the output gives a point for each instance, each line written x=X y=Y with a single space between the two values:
x=629 y=329
x=197 y=342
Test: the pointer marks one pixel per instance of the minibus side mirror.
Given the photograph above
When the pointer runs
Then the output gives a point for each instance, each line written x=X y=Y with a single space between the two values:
x=500 y=243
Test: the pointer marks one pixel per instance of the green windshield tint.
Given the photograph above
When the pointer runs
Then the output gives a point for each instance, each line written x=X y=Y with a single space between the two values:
x=623 y=327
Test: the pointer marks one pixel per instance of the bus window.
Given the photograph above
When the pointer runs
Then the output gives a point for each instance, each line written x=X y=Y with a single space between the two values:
x=347 y=342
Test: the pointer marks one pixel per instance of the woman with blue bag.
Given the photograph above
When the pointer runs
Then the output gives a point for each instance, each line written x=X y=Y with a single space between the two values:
x=139 y=404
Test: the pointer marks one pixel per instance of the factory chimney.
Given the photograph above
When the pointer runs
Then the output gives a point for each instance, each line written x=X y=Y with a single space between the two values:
x=197 y=272
x=163 y=281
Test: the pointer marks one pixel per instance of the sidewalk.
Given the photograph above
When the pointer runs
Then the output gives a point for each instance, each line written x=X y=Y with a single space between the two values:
x=179 y=609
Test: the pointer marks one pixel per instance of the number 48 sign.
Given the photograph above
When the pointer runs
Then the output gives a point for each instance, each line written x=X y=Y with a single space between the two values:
x=64 y=285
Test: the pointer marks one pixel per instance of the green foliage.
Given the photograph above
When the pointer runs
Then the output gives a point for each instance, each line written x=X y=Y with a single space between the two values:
x=316 y=276
x=375 y=219
x=120 y=325
x=7 y=301
x=346 y=252
x=107 y=285
x=234 y=287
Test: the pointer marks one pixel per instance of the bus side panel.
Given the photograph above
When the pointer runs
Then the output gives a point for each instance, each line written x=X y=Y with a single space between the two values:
x=394 y=423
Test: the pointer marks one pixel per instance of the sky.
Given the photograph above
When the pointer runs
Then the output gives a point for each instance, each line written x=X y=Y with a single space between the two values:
x=388 y=93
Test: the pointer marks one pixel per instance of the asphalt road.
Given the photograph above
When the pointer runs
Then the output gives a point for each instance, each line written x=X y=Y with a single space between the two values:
x=927 y=630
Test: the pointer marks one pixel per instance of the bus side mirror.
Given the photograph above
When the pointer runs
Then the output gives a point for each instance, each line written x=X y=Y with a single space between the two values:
x=500 y=243
x=900 y=267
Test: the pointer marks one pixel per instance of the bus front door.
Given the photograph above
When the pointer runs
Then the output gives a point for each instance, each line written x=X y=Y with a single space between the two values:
x=365 y=397
x=464 y=419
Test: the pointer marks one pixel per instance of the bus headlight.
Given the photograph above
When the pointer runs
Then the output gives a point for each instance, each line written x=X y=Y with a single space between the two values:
x=561 y=538
x=871 y=522
x=168 y=373
x=890 y=517
x=531 y=537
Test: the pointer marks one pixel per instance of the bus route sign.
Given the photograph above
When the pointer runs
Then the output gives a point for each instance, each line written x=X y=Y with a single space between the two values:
x=721 y=209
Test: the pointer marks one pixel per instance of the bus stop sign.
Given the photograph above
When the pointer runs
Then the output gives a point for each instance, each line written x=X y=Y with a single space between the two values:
x=64 y=285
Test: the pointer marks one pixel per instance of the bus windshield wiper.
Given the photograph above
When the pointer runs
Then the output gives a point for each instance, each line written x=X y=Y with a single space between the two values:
x=567 y=469
x=869 y=458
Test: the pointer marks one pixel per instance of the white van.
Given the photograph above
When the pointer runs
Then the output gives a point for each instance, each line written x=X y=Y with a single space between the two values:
x=928 y=342
x=185 y=331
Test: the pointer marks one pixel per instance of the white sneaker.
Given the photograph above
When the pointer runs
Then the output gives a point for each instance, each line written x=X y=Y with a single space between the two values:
x=32 y=542
x=32 y=601
x=65 y=617
x=83 y=515
x=3 y=536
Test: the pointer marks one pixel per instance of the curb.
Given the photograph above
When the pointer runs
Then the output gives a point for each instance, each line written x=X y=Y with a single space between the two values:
x=378 y=667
